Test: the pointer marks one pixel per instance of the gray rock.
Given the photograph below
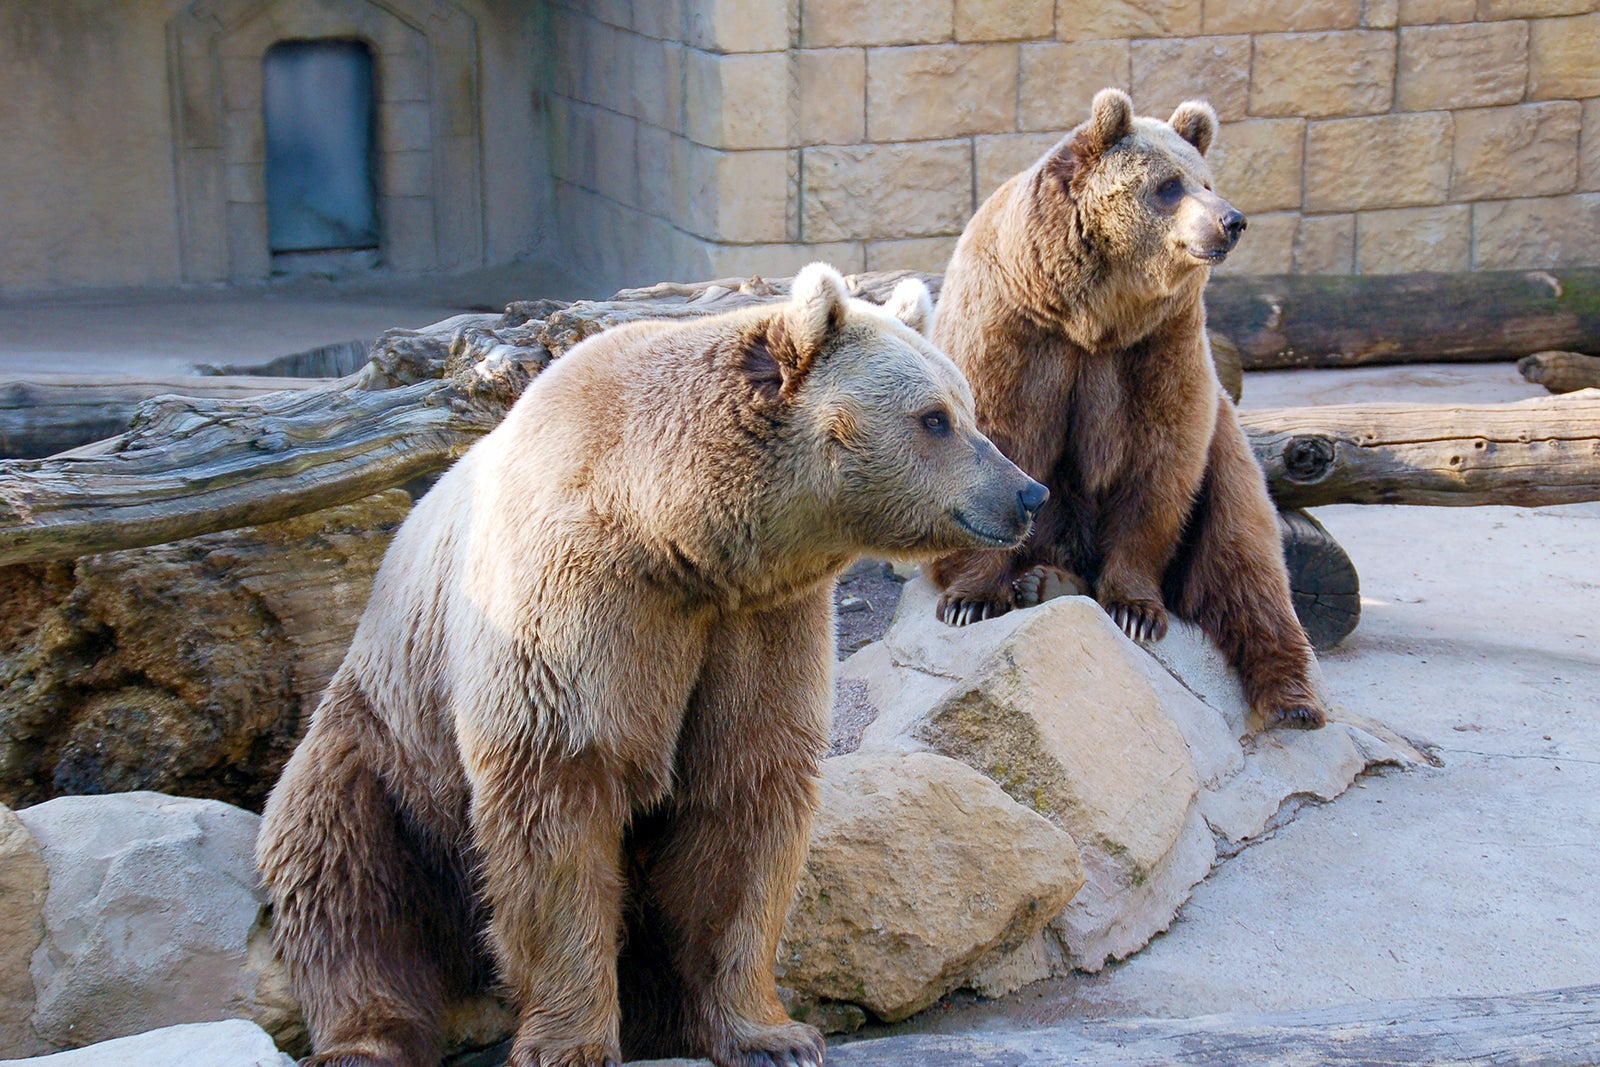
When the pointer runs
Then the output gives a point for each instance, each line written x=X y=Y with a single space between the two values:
x=23 y=883
x=231 y=1043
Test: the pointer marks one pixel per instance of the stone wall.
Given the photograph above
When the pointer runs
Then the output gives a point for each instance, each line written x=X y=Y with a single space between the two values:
x=714 y=137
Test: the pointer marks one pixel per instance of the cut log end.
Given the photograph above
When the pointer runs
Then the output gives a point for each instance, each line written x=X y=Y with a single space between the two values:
x=1323 y=581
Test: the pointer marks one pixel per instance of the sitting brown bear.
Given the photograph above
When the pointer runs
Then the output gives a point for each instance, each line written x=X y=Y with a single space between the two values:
x=593 y=684
x=1073 y=304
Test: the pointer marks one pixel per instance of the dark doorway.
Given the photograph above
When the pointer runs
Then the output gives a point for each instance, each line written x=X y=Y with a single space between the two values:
x=317 y=102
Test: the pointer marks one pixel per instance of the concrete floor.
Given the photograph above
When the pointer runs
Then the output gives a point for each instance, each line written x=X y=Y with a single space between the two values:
x=1480 y=635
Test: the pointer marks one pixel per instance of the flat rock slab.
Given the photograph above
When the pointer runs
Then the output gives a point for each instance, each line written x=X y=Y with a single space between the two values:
x=231 y=1043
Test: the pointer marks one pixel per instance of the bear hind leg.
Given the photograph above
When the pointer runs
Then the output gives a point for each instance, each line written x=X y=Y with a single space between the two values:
x=348 y=893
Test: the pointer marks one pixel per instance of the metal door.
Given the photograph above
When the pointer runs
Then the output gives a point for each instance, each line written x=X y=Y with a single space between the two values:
x=317 y=102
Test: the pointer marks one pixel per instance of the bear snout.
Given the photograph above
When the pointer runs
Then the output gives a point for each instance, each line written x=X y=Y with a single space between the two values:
x=1030 y=499
x=1232 y=224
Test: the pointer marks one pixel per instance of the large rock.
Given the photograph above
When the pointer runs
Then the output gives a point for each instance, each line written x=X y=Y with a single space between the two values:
x=234 y=1043
x=1145 y=759
x=921 y=872
x=23 y=883
x=154 y=917
x=188 y=667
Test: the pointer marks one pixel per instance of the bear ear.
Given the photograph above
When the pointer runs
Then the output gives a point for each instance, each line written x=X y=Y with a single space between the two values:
x=1196 y=123
x=1110 y=120
x=816 y=310
x=912 y=304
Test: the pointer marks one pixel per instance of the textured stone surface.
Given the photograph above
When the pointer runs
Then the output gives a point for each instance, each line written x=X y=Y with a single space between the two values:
x=920 y=870
x=1589 y=148
x=1517 y=9
x=1517 y=151
x=930 y=254
x=23 y=883
x=1386 y=161
x=1380 y=14
x=1325 y=244
x=229 y=1043
x=1000 y=157
x=154 y=917
x=1003 y=20
x=833 y=23
x=1561 y=57
x=831 y=95
x=1267 y=247
x=936 y=91
x=1317 y=75
x=736 y=25
x=887 y=191
x=1058 y=81
x=733 y=196
x=1277 y=16
x=1258 y=163
x=1554 y=231
x=1417 y=12
x=1127 y=18
x=1475 y=65
x=1215 y=69
x=1413 y=239
x=185 y=667
x=737 y=101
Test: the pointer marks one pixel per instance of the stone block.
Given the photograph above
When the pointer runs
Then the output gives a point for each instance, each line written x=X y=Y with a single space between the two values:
x=906 y=890
x=661 y=19
x=1325 y=244
x=1522 y=9
x=1259 y=164
x=24 y=881
x=1058 y=81
x=1003 y=20
x=1380 y=14
x=1080 y=21
x=1589 y=148
x=739 y=25
x=831 y=95
x=1423 y=12
x=409 y=241
x=248 y=257
x=657 y=96
x=408 y=174
x=1282 y=16
x=781 y=260
x=879 y=192
x=845 y=23
x=247 y=183
x=738 y=101
x=1317 y=75
x=1215 y=69
x=245 y=139
x=1384 y=161
x=458 y=210
x=928 y=254
x=937 y=91
x=241 y=84
x=1475 y=65
x=1556 y=231
x=455 y=95
x=1410 y=239
x=402 y=77
x=1004 y=155
x=1528 y=150
x=655 y=151
x=406 y=126
x=1561 y=58
x=1267 y=246
x=742 y=197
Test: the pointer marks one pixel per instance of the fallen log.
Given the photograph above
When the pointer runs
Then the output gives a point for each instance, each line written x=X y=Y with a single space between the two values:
x=1322 y=580
x=1531 y=453
x=1302 y=320
x=42 y=414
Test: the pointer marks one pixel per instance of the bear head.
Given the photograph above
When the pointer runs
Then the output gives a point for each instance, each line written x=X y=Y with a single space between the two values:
x=1137 y=192
x=898 y=466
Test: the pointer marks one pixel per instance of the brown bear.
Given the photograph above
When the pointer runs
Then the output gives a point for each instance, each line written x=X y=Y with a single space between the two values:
x=1073 y=304
x=593 y=683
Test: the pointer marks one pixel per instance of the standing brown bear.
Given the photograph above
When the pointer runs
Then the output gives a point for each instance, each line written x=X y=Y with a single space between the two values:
x=1073 y=304
x=594 y=681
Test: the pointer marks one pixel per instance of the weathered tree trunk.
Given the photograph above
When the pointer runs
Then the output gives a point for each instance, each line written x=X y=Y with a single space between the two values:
x=42 y=414
x=1561 y=372
x=1531 y=453
x=1303 y=320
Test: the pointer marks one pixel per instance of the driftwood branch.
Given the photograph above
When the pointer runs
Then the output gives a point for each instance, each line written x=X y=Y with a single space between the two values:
x=1303 y=320
x=1542 y=451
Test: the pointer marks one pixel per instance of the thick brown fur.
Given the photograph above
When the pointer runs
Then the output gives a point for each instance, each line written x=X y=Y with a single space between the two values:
x=1073 y=304
x=589 y=694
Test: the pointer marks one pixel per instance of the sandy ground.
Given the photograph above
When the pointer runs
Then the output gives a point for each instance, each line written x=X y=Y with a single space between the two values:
x=1480 y=635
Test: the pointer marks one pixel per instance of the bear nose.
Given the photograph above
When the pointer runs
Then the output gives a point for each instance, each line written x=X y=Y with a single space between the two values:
x=1032 y=497
x=1233 y=224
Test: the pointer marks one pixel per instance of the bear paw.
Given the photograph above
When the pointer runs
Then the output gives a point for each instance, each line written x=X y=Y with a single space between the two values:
x=346 y=1059
x=1303 y=716
x=1043 y=582
x=577 y=1054
x=960 y=610
x=794 y=1045
x=1141 y=620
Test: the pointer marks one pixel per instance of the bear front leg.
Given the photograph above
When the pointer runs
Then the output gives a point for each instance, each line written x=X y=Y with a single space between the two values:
x=549 y=841
x=724 y=870
x=1233 y=583
x=1138 y=537
x=977 y=585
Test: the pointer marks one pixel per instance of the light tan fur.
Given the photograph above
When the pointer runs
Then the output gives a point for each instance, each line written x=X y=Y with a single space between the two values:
x=1074 y=305
x=593 y=682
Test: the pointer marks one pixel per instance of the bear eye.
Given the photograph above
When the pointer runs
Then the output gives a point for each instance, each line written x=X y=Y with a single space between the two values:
x=937 y=422
x=1170 y=190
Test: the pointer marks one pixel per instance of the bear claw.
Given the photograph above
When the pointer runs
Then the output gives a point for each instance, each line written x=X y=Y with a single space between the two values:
x=1297 y=717
x=958 y=611
x=1141 y=622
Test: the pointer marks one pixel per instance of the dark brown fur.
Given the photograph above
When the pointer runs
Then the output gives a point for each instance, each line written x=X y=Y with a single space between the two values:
x=1074 y=306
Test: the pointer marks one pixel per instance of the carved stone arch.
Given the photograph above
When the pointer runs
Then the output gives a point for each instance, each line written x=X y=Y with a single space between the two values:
x=429 y=148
